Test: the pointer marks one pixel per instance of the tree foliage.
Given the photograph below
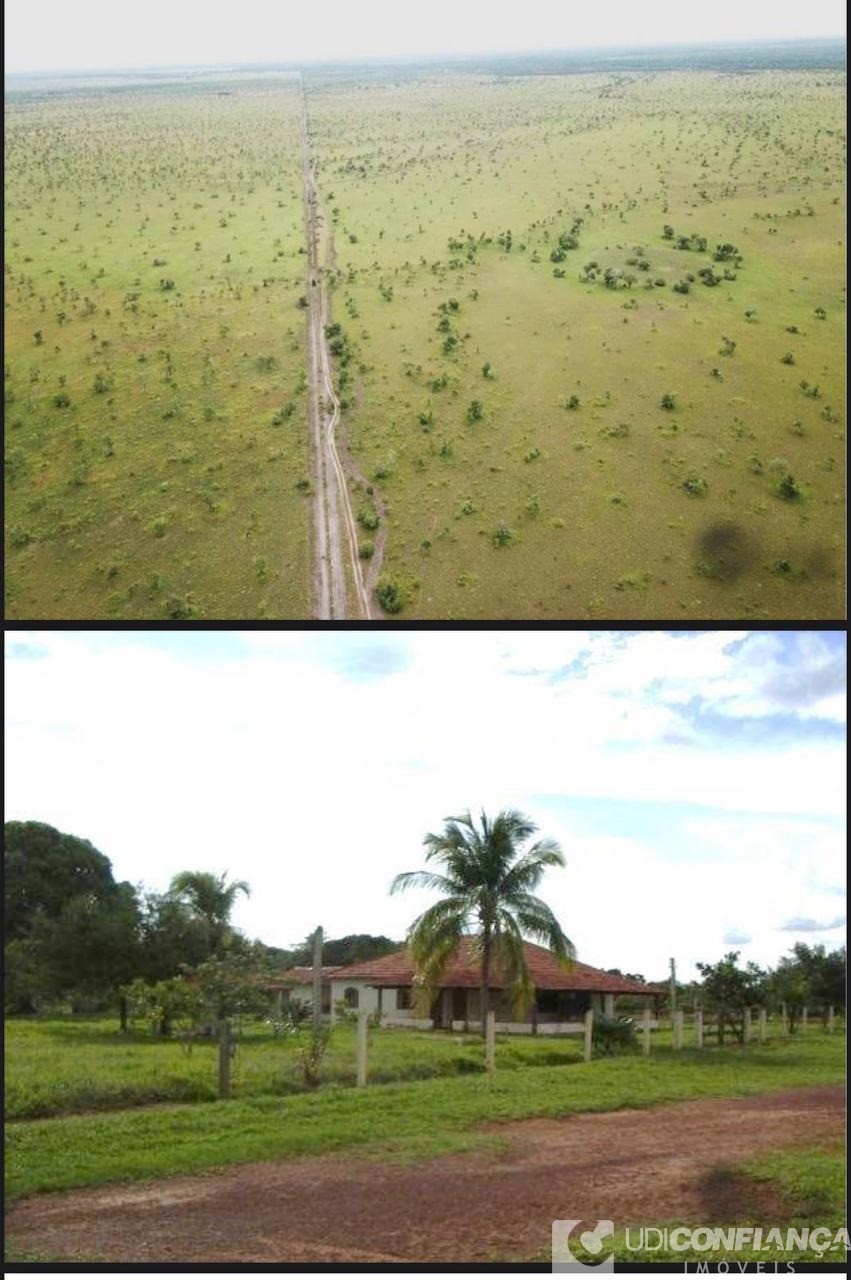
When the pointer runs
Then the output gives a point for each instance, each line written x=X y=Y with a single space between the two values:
x=487 y=883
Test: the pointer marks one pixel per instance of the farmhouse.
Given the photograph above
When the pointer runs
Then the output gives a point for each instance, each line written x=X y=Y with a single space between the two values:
x=386 y=985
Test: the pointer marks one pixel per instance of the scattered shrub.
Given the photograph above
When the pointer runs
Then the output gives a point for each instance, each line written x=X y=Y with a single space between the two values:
x=391 y=595
x=695 y=485
x=369 y=519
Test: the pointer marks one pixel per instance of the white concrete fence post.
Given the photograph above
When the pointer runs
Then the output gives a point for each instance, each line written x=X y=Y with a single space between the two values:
x=746 y=1034
x=678 y=1029
x=698 y=1028
x=763 y=1026
x=646 y=1029
x=830 y=1018
x=804 y=1020
x=490 y=1041
x=361 y=1046
x=589 y=1031
x=784 y=1018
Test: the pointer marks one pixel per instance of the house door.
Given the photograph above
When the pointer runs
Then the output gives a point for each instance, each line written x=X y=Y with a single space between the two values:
x=459 y=1004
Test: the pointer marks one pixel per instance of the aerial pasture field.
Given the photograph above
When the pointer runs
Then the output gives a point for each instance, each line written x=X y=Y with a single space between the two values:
x=155 y=374
x=503 y=501
x=589 y=357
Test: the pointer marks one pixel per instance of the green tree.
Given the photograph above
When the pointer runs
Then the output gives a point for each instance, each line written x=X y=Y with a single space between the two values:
x=172 y=936
x=825 y=974
x=71 y=930
x=211 y=898
x=43 y=869
x=811 y=977
x=728 y=990
x=487 y=884
x=351 y=949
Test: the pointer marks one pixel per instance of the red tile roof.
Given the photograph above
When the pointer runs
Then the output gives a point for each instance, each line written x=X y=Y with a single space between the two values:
x=301 y=976
x=397 y=970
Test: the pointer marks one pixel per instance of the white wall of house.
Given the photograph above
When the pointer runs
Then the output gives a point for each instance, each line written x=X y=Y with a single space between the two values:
x=392 y=1015
x=367 y=995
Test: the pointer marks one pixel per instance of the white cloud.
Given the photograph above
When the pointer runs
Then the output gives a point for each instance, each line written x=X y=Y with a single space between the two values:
x=301 y=768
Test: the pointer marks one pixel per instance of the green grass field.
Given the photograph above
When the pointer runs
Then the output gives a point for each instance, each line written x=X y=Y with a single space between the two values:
x=155 y=376
x=155 y=367
x=617 y=507
x=62 y=1065
x=406 y=1120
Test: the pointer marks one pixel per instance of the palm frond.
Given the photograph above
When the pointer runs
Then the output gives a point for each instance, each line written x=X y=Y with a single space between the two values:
x=537 y=920
x=511 y=958
x=422 y=880
x=526 y=873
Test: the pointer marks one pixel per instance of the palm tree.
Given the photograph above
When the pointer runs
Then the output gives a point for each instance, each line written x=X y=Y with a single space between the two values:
x=487 y=883
x=210 y=897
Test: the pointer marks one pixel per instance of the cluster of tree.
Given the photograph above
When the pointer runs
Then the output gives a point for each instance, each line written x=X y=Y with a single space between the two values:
x=811 y=977
x=74 y=935
x=352 y=949
x=567 y=240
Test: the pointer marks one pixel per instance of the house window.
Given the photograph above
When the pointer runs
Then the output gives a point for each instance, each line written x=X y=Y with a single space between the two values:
x=403 y=998
x=350 y=995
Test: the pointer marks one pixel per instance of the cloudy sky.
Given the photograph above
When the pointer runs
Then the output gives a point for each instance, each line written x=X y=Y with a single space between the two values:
x=694 y=779
x=57 y=34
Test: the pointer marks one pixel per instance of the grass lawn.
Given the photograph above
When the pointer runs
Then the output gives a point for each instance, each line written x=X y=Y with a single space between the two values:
x=406 y=1120
x=61 y=1065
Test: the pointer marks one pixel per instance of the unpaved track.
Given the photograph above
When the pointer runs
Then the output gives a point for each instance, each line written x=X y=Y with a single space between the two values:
x=335 y=532
x=655 y=1165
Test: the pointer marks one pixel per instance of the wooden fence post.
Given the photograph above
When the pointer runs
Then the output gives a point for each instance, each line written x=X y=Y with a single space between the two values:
x=804 y=1020
x=589 y=1031
x=698 y=1028
x=646 y=1029
x=361 y=1046
x=678 y=1029
x=490 y=1041
x=763 y=1027
x=830 y=1018
x=224 y=1058
x=746 y=1031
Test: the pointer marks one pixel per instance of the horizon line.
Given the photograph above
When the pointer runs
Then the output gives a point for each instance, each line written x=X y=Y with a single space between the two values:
x=391 y=59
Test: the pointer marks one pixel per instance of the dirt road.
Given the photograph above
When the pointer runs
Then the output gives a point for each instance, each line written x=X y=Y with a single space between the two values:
x=658 y=1165
x=335 y=532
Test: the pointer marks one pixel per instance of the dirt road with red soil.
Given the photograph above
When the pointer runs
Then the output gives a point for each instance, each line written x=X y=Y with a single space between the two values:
x=662 y=1164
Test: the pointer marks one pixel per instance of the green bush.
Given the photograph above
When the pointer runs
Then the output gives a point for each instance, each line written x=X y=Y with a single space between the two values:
x=369 y=519
x=613 y=1035
x=390 y=595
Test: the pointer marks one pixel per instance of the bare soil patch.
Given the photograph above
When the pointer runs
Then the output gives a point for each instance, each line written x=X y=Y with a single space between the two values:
x=662 y=1164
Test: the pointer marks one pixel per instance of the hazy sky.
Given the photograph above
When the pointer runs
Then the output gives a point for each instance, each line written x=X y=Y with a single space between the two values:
x=78 y=34
x=694 y=779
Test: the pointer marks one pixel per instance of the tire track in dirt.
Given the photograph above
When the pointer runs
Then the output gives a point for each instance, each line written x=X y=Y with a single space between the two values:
x=335 y=532
x=659 y=1164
